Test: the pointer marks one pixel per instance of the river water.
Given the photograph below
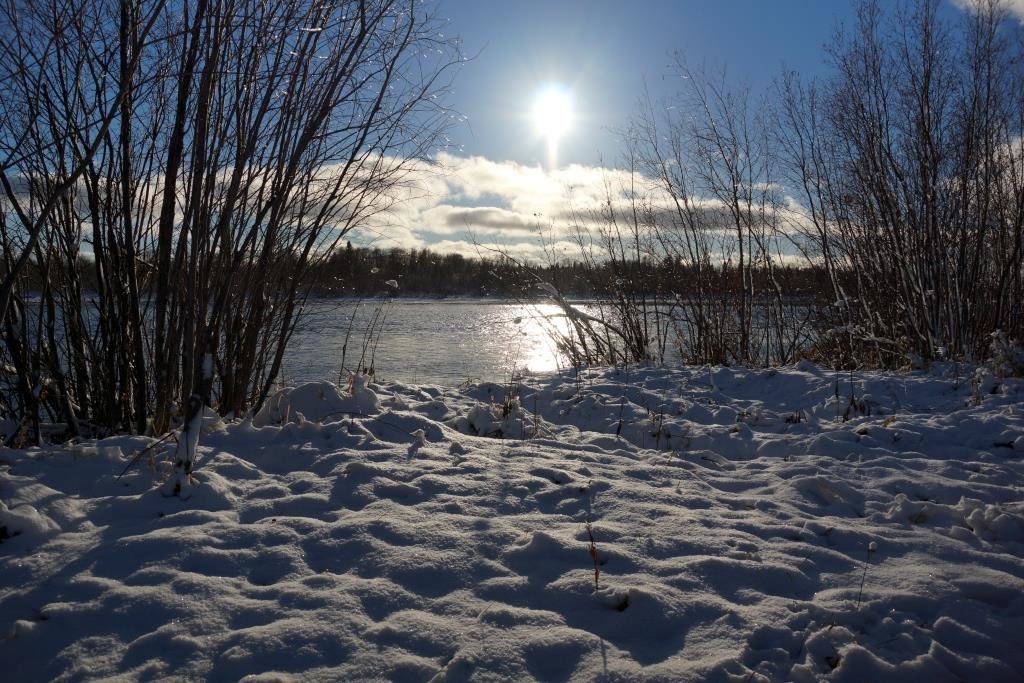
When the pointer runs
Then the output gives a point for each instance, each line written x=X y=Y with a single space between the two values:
x=428 y=341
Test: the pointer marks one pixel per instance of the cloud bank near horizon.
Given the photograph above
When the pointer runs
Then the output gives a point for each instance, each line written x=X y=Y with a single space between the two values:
x=475 y=206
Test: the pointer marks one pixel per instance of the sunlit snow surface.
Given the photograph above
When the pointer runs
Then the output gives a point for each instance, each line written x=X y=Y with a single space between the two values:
x=734 y=518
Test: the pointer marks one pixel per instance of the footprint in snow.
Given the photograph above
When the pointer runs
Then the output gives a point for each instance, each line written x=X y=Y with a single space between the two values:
x=555 y=476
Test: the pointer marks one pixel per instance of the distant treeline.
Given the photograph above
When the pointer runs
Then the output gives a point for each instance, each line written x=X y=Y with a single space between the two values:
x=363 y=271
x=358 y=271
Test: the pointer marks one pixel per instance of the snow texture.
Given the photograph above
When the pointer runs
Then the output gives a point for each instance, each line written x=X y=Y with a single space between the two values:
x=749 y=525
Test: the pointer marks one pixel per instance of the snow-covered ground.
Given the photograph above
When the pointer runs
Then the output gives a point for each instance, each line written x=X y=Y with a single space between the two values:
x=743 y=531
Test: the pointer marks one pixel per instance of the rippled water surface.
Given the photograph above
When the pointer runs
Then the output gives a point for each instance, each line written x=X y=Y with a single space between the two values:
x=427 y=341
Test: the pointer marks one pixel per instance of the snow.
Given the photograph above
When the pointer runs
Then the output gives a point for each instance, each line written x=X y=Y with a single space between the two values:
x=749 y=525
x=318 y=402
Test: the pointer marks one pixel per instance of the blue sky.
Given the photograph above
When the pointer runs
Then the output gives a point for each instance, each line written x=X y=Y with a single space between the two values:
x=605 y=52
x=499 y=186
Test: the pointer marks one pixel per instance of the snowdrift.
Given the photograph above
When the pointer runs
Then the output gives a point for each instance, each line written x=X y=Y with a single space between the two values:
x=747 y=525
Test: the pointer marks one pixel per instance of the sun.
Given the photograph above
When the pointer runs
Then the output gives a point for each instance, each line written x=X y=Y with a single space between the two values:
x=552 y=111
x=552 y=115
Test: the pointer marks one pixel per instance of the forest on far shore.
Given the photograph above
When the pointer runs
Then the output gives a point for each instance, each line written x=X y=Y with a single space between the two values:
x=363 y=271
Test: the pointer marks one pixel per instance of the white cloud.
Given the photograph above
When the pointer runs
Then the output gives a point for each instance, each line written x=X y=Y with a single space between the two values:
x=461 y=199
x=522 y=251
x=474 y=206
x=1015 y=7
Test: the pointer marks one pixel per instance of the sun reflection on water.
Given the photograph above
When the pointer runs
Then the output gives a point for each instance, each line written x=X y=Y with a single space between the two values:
x=535 y=350
x=432 y=342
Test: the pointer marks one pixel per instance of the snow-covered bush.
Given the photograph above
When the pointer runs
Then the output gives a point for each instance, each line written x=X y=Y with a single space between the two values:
x=319 y=402
x=1006 y=355
x=505 y=420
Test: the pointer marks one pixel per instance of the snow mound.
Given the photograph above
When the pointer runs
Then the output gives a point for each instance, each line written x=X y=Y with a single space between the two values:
x=25 y=520
x=318 y=402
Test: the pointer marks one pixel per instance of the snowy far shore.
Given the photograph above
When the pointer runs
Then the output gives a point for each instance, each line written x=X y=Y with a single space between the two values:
x=623 y=524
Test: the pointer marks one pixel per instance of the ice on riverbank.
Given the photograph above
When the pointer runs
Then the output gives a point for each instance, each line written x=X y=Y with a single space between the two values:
x=749 y=525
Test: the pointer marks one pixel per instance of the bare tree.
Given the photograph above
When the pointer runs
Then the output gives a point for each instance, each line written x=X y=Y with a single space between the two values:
x=712 y=156
x=209 y=156
x=909 y=165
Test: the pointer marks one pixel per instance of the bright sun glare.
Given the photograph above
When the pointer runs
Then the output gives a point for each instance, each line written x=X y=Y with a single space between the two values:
x=552 y=115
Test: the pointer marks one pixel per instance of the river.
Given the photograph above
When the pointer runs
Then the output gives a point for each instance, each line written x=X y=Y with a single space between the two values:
x=426 y=341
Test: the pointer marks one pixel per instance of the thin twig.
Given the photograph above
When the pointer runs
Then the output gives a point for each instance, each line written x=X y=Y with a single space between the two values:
x=143 y=452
